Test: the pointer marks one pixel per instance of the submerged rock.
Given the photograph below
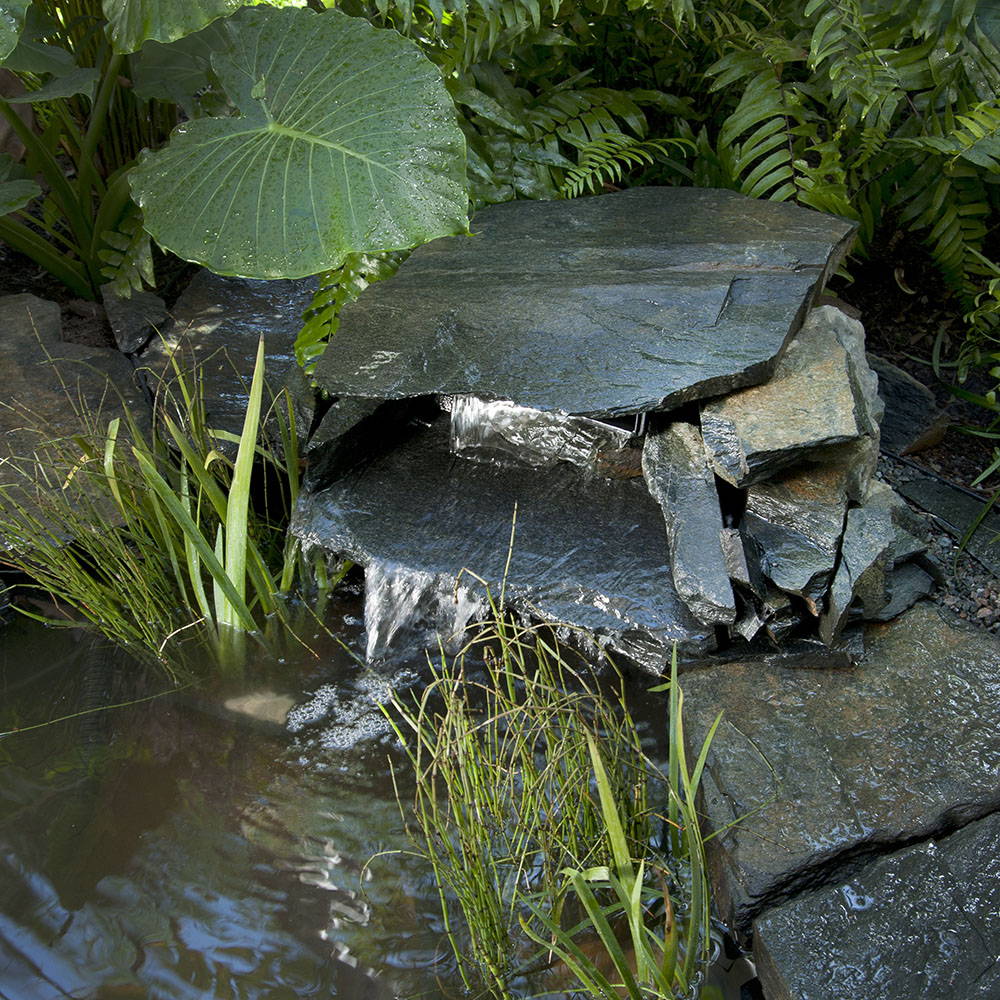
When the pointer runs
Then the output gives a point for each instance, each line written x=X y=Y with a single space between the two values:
x=680 y=480
x=587 y=551
x=818 y=767
x=822 y=393
x=598 y=307
x=922 y=922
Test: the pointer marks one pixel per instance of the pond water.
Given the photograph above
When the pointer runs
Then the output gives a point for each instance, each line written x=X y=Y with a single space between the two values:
x=199 y=844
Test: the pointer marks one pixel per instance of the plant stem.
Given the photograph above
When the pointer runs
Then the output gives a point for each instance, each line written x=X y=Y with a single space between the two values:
x=21 y=238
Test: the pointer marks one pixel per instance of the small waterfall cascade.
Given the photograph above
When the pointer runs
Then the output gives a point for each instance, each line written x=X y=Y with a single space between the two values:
x=399 y=599
x=503 y=432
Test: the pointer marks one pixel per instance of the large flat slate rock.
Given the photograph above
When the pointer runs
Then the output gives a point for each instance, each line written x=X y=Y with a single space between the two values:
x=588 y=551
x=921 y=922
x=830 y=765
x=599 y=307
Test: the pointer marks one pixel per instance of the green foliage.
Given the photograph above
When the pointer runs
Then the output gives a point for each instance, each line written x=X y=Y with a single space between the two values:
x=310 y=136
x=533 y=805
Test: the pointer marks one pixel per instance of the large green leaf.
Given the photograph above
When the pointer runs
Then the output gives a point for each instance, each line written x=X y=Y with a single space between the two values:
x=11 y=19
x=132 y=22
x=16 y=187
x=346 y=141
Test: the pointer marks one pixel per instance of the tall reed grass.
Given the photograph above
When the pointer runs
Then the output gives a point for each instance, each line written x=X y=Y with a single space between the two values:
x=540 y=814
x=150 y=535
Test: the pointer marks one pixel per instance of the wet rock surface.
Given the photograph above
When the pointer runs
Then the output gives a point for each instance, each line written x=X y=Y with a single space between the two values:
x=921 y=922
x=603 y=306
x=216 y=325
x=680 y=480
x=47 y=384
x=829 y=767
x=587 y=552
x=821 y=394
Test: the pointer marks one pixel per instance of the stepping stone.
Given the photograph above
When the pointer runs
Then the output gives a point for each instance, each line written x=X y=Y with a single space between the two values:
x=587 y=551
x=818 y=768
x=922 y=922
x=956 y=510
x=822 y=393
x=598 y=307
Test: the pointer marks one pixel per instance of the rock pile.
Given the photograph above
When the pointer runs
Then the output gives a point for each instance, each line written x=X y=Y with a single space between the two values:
x=690 y=462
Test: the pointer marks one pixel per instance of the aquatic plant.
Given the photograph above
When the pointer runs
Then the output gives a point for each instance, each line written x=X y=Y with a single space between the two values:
x=151 y=536
x=535 y=805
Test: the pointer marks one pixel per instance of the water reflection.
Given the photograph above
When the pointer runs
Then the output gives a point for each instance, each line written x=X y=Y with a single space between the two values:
x=193 y=847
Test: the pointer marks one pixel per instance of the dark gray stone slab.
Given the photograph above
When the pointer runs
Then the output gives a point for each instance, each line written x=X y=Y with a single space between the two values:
x=956 y=510
x=216 y=325
x=501 y=431
x=588 y=551
x=828 y=766
x=874 y=542
x=922 y=922
x=822 y=393
x=598 y=306
x=133 y=320
x=910 y=407
x=51 y=390
x=792 y=528
x=679 y=478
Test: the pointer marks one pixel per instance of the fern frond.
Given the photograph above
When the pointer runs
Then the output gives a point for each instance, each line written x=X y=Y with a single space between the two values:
x=337 y=288
x=607 y=159
x=126 y=255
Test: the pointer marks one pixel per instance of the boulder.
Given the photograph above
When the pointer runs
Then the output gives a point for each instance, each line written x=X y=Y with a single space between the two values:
x=911 y=410
x=811 y=770
x=822 y=393
x=133 y=320
x=587 y=551
x=598 y=307
x=920 y=922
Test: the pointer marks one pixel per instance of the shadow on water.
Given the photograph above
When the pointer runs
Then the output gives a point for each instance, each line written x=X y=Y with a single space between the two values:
x=213 y=842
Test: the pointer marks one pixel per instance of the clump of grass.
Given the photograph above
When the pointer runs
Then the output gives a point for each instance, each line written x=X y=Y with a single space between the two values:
x=149 y=535
x=535 y=806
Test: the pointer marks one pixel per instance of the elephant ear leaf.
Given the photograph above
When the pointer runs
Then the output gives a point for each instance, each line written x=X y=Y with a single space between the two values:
x=132 y=22
x=345 y=141
x=12 y=13
x=16 y=186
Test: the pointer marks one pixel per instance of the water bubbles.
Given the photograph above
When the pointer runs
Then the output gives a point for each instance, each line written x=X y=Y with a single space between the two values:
x=855 y=899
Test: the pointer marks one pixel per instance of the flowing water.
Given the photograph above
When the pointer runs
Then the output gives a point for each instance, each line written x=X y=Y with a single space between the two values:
x=233 y=840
